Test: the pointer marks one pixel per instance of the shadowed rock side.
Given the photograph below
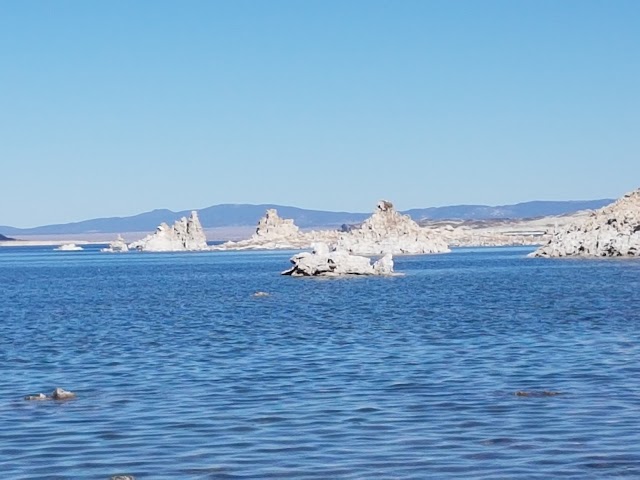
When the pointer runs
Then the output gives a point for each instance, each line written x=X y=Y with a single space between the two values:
x=388 y=231
x=275 y=233
x=612 y=231
x=185 y=235
x=323 y=262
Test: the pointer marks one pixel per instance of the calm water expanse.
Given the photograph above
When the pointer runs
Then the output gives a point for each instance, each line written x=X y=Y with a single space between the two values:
x=181 y=373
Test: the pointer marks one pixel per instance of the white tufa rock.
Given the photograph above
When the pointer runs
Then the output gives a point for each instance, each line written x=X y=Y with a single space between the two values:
x=388 y=231
x=185 y=235
x=271 y=227
x=69 y=247
x=117 y=246
x=611 y=231
x=276 y=233
x=323 y=262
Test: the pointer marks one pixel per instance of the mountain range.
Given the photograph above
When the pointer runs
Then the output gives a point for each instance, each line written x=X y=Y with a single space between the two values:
x=238 y=215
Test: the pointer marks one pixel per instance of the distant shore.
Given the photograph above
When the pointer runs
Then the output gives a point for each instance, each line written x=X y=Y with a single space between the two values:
x=218 y=234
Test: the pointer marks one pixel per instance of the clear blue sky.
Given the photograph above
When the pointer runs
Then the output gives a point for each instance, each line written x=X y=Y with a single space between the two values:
x=111 y=108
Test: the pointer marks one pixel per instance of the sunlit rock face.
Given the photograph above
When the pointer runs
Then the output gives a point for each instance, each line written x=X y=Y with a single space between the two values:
x=272 y=228
x=321 y=261
x=388 y=231
x=186 y=234
x=611 y=231
x=69 y=247
x=117 y=246
x=275 y=233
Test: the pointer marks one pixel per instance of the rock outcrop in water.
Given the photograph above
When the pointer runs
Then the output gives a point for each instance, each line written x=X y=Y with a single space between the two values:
x=388 y=231
x=69 y=247
x=186 y=234
x=58 y=394
x=611 y=231
x=117 y=246
x=323 y=262
x=276 y=233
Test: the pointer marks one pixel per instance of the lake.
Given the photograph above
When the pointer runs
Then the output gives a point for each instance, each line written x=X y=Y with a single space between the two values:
x=181 y=373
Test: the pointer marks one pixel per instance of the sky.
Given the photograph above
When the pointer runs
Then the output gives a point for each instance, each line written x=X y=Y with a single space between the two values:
x=113 y=108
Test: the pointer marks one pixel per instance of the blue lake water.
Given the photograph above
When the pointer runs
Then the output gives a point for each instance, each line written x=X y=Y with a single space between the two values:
x=181 y=373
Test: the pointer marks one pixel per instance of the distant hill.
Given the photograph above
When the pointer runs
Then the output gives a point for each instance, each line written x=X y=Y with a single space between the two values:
x=238 y=215
x=5 y=239
x=517 y=211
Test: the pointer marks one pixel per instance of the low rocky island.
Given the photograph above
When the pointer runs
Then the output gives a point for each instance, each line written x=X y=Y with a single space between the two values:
x=69 y=247
x=185 y=235
x=386 y=231
x=611 y=231
x=321 y=261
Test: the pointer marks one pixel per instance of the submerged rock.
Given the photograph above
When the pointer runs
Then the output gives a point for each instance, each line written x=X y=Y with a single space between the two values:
x=388 y=231
x=37 y=396
x=117 y=246
x=58 y=394
x=186 y=234
x=61 y=394
x=544 y=393
x=323 y=262
x=611 y=231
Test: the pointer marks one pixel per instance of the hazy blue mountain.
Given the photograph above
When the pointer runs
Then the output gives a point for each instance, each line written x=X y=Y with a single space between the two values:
x=519 y=210
x=5 y=239
x=229 y=215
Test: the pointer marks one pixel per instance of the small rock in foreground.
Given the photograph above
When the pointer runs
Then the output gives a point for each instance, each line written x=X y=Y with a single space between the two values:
x=544 y=393
x=61 y=394
x=39 y=396
x=58 y=394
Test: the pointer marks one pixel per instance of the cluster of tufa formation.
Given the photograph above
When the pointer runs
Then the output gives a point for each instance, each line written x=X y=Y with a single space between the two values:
x=185 y=235
x=612 y=231
x=388 y=231
x=323 y=262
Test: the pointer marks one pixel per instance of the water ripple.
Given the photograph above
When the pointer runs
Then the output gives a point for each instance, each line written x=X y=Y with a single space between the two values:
x=181 y=373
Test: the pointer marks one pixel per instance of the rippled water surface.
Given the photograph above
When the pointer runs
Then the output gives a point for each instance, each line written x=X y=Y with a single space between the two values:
x=181 y=373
